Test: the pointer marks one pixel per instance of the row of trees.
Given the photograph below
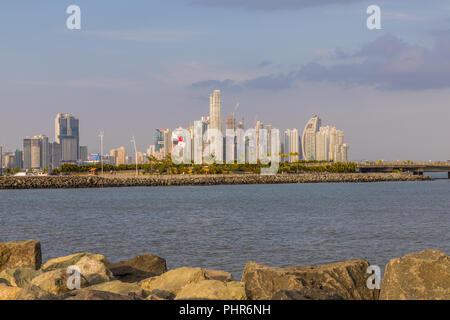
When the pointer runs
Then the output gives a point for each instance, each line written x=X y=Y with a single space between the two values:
x=166 y=166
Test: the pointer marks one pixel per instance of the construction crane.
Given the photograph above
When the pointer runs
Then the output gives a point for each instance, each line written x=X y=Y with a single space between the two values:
x=235 y=109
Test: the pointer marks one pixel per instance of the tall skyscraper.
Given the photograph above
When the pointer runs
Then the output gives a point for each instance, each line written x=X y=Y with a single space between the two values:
x=230 y=140
x=19 y=159
x=55 y=155
x=309 y=138
x=158 y=139
x=67 y=134
x=215 y=117
x=168 y=142
x=27 y=153
x=323 y=144
x=291 y=146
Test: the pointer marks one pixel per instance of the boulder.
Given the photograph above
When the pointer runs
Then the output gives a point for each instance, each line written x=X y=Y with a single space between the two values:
x=344 y=280
x=32 y=292
x=170 y=283
x=119 y=287
x=55 y=282
x=212 y=290
x=25 y=254
x=305 y=293
x=18 y=277
x=9 y=292
x=92 y=266
x=417 y=276
x=138 y=268
x=87 y=294
x=218 y=275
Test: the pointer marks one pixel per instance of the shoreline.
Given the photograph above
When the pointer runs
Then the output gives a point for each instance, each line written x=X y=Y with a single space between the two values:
x=76 y=182
x=24 y=276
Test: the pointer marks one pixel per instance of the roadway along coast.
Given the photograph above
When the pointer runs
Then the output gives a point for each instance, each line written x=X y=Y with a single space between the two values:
x=76 y=181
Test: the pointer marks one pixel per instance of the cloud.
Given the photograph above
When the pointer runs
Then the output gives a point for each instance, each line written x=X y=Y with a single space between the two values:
x=271 y=4
x=227 y=84
x=386 y=63
x=264 y=63
x=146 y=35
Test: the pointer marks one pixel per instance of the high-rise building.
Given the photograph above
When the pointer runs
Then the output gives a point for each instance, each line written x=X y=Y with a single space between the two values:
x=27 y=153
x=309 y=138
x=119 y=155
x=18 y=157
x=230 y=140
x=1 y=160
x=84 y=153
x=67 y=134
x=158 y=139
x=55 y=155
x=168 y=142
x=291 y=146
x=36 y=153
x=9 y=161
x=323 y=144
x=215 y=123
x=215 y=116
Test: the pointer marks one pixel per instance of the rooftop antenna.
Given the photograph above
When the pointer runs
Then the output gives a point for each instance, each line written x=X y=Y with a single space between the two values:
x=101 y=135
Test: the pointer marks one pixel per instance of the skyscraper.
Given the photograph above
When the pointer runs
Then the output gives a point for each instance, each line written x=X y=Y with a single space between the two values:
x=230 y=140
x=309 y=138
x=323 y=144
x=291 y=146
x=83 y=153
x=168 y=142
x=67 y=134
x=119 y=155
x=27 y=153
x=19 y=159
x=215 y=117
x=158 y=139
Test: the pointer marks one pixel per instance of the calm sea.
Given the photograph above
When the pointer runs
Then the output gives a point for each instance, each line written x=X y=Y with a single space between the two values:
x=223 y=227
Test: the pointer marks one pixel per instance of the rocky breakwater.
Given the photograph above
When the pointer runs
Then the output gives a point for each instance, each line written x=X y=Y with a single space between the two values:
x=423 y=275
x=58 y=182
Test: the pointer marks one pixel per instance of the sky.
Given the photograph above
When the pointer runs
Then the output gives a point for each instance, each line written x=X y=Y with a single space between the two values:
x=139 y=65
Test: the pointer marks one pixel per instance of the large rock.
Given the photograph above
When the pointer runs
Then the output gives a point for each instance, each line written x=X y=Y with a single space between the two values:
x=417 y=276
x=218 y=275
x=170 y=283
x=138 y=268
x=25 y=254
x=305 y=293
x=55 y=281
x=342 y=280
x=32 y=292
x=119 y=287
x=18 y=277
x=212 y=290
x=92 y=266
x=86 y=294
x=9 y=292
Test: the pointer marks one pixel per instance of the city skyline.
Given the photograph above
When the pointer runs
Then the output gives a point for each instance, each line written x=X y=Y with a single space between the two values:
x=133 y=69
x=202 y=141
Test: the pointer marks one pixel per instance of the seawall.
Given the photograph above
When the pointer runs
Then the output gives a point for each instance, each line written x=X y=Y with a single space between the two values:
x=66 y=182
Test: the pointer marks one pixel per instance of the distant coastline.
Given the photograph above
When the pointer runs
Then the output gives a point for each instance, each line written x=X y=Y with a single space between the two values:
x=77 y=181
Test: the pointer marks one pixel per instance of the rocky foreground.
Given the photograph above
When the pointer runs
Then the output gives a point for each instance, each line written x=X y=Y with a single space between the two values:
x=423 y=275
x=58 y=182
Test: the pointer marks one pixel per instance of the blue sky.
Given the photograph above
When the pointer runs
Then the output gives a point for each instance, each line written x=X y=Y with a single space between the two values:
x=140 y=65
